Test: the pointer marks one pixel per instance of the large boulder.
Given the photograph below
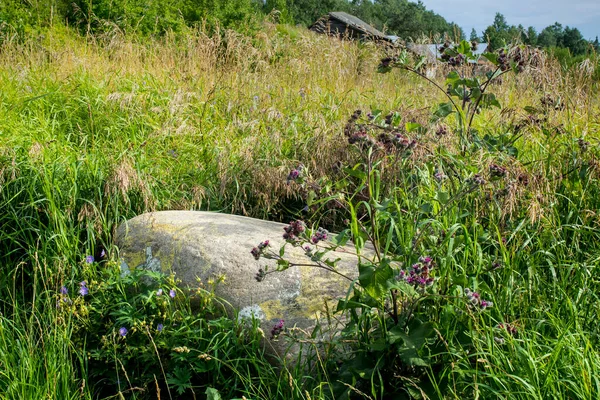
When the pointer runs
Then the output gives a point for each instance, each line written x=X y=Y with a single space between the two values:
x=204 y=245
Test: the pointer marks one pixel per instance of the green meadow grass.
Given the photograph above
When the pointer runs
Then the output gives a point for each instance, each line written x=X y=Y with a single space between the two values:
x=96 y=130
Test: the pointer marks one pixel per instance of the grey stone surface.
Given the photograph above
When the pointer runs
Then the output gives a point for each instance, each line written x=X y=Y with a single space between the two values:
x=204 y=245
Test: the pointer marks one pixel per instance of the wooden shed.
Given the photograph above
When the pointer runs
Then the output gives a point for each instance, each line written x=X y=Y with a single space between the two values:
x=342 y=24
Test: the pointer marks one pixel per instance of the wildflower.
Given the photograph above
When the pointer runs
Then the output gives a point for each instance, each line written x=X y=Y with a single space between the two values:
x=159 y=327
x=123 y=331
x=102 y=253
x=485 y=304
x=385 y=62
x=83 y=290
x=442 y=130
x=320 y=235
x=439 y=176
x=523 y=179
x=64 y=290
x=260 y=275
x=295 y=173
x=172 y=293
x=419 y=273
x=89 y=259
x=293 y=230
x=508 y=328
x=258 y=250
x=583 y=144
x=503 y=61
x=477 y=180
x=307 y=250
x=475 y=299
x=388 y=118
x=159 y=292
x=277 y=328
x=496 y=265
x=497 y=171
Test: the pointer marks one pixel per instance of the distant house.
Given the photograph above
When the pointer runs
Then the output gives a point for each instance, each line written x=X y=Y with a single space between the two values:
x=345 y=25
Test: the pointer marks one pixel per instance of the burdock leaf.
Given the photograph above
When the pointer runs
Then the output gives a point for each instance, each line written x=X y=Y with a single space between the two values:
x=442 y=111
x=491 y=57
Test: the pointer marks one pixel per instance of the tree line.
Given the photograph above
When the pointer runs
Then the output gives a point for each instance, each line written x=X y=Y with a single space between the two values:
x=553 y=36
x=405 y=19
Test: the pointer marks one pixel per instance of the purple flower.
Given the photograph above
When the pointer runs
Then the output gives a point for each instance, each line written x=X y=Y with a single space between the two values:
x=419 y=273
x=258 y=251
x=64 y=290
x=485 y=304
x=172 y=293
x=159 y=327
x=293 y=230
x=277 y=328
x=439 y=176
x=89 y=259
x=83 y=290
x=475 y=299
x=159 y=292
x=102 y=253
x=320 y=235
x=123 y=331
x=295 y=173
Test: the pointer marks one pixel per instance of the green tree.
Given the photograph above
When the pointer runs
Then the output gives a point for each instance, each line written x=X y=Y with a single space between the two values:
x=531 y=36
x=473 y=37
x=551 y=35
x=306 y=12
x=573 y=40
x=497 y=34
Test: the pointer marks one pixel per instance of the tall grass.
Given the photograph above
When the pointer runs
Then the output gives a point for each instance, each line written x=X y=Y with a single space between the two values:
x=96 y=130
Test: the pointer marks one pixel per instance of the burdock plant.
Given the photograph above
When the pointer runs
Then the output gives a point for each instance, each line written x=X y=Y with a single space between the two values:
x=466 y=92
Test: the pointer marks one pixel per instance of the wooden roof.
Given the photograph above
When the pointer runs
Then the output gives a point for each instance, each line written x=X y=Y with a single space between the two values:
x=336 y=18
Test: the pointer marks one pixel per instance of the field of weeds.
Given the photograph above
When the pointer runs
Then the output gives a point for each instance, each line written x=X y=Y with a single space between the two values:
x=96 y=130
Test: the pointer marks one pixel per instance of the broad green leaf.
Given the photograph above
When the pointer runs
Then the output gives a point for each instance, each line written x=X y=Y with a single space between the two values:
x=443 y=197
x=212 y=394
x=489 y=99
x=355 y=172
x=426 y=208
x=491 y=57
x=452 y=78
x=464 y=47
x=491 y=75
x=443 y=110
x=412 y=126
x=374 y=278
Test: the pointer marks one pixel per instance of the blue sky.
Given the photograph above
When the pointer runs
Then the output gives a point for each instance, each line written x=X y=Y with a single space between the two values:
x=478 y=14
